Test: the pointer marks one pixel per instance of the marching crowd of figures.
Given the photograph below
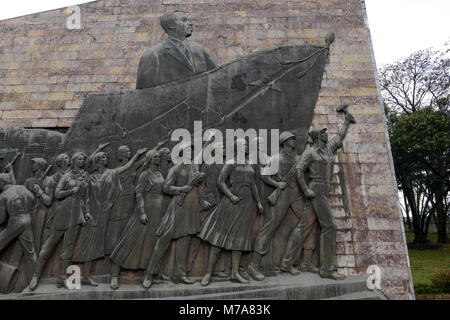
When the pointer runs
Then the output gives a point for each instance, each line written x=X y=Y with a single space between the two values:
x=122 y=214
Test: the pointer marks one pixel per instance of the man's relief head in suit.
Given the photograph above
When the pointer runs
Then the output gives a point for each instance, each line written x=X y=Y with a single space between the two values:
x=177 y=24
x=175 y=57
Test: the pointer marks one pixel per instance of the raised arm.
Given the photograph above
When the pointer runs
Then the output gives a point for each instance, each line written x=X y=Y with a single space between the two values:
x=141 y=162
x=343 y=131
x=99 y=148
x=337 y=142
x=132 y=161
x=10 y=169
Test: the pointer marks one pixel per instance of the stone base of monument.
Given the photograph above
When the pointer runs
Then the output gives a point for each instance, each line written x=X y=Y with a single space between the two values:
x=306 y=286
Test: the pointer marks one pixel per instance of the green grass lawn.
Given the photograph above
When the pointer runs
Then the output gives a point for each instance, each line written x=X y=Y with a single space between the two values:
x=426 y=263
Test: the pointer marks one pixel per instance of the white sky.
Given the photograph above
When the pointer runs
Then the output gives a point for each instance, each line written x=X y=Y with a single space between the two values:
x=398 y=27
x=401 y=27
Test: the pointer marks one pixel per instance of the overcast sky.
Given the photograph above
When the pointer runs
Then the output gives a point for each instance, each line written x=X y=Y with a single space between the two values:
x=398 y=27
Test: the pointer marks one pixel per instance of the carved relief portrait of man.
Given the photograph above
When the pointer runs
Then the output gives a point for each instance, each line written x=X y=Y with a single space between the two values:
x=176 y=57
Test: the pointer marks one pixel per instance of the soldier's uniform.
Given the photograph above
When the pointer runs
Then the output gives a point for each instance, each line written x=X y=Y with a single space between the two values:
x=304 y=233
x=289 y=199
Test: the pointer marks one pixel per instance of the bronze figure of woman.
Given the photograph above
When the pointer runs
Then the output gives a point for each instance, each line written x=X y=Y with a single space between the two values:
x=229 y=225
x=105 y=188
x=135 y=246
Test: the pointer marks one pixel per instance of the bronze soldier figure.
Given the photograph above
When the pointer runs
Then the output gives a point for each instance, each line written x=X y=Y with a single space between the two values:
x=285 y=197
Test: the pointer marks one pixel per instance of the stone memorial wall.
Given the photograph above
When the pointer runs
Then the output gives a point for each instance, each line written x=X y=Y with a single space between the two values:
x=47 y=71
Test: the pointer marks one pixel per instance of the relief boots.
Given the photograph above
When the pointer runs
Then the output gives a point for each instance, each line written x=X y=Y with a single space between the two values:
x=307 y=265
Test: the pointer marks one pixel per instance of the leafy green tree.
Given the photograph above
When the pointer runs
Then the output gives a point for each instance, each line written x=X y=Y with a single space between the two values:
x=421 y=152
x=416 y=94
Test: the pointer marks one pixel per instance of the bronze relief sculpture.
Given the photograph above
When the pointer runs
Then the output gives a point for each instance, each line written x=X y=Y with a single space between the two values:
x=131 y=211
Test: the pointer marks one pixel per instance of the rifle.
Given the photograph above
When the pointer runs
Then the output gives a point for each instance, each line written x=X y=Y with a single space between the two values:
x=46 y=172
x=14 y=160
x=273 y=198
x=41 y=179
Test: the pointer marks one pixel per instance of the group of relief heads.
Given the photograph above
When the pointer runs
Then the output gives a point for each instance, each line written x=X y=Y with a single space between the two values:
x=121 y=213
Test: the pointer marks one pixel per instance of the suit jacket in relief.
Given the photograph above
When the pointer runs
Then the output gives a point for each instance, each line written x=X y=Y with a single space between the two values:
x=165 y=62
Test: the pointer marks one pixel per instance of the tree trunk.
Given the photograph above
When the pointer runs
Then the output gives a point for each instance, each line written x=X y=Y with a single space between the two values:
x=427 y=225
x=441 y=222
x=408 y=218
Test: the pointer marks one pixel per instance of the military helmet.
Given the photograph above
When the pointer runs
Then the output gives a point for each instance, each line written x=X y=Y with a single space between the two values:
x=285 y=136
x=314 y=133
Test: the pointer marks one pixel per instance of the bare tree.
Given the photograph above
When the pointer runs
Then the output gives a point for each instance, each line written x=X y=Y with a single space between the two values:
x=421 y=80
